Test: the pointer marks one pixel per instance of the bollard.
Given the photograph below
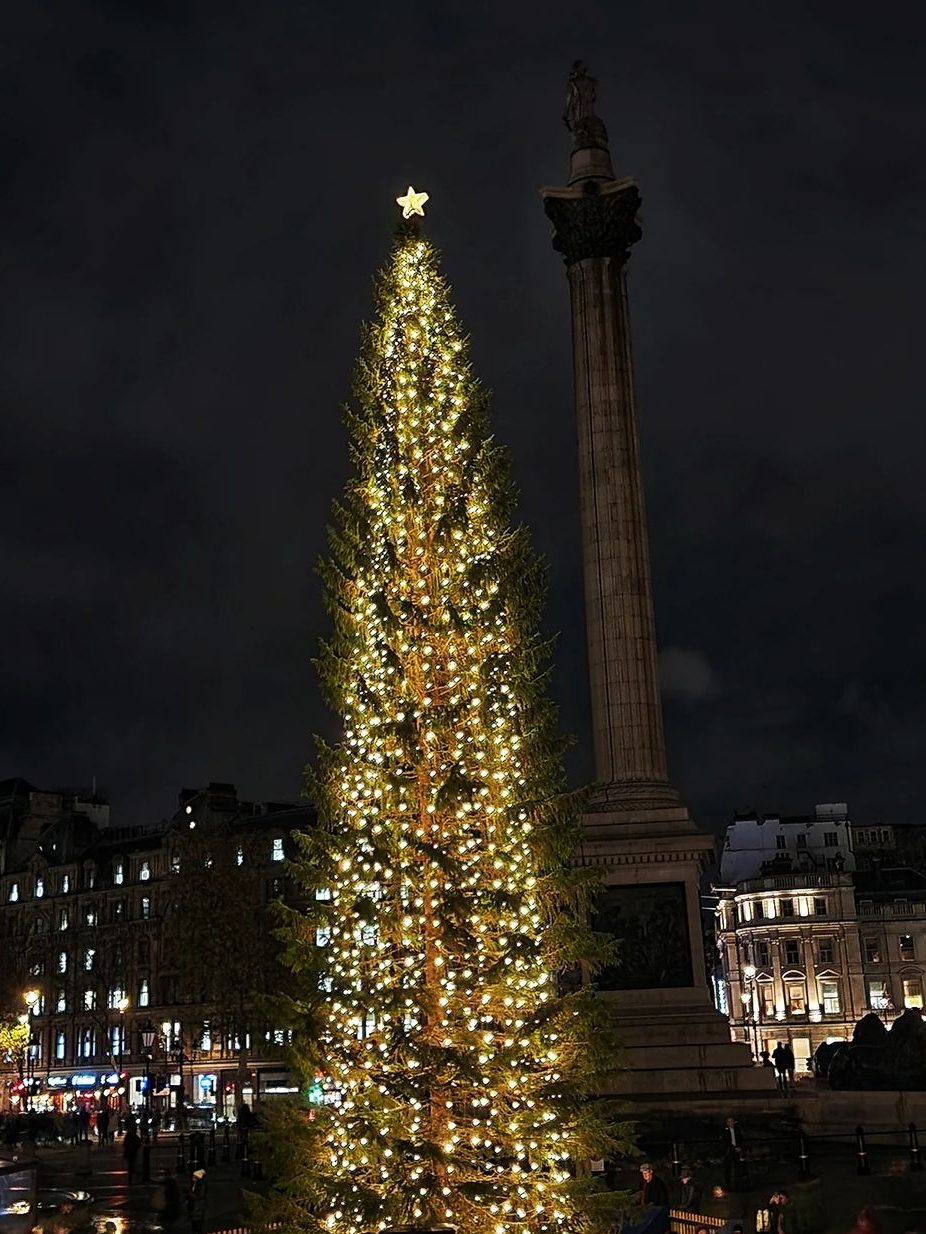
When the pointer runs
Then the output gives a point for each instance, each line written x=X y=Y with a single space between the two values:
x=181 y=1156
x=245 y=1162
x=803 y=1157
x=212 y=1145
x=676 y=1164
x=916 y=1163
x=226 y=1145
x=861 y=1157
x=146 y=1162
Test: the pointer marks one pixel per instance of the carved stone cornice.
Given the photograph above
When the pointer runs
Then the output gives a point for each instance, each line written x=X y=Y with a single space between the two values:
x=594 y=221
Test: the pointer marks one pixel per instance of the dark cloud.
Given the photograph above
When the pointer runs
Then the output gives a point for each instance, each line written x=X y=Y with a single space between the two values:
x=193 y=198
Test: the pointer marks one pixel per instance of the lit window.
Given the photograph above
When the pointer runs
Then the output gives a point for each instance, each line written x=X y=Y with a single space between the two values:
x=87 y=1043
x=239 y=856
x=118 y=873
x=879 y=998
x=117 y=1039
x=89 y=999
x=89 y=956
x=323 y=893
x=65 y=884
x=913 y=993
x=91 y=878
x=61 y=1003
x=62 y=961
x=144 y=871
x=14 y=892
x=143 y=992
x=205 y=1040
x=61 y=1045
x=115 y=997
x=829 y=996
x=795 y=997
x=175 y=863
x=146 y=907
x=63 y=919
x=326 y=984
x=766 y=1000
x=872 y=951
x=277 y=851
x=322 y=936
x=39 y=888
x=907 y=949
x=91 y=917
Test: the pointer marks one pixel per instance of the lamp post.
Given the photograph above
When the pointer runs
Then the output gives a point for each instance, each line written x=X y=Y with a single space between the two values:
x=122 y=1007
x=749 y=1008
x=148 y=1034
x=30 y=1045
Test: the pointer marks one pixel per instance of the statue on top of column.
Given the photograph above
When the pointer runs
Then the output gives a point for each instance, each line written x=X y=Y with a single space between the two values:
x=579 y=117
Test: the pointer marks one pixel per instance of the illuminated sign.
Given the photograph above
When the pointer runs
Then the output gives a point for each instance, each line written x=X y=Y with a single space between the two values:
x=84 y=1081
x=58 y=1081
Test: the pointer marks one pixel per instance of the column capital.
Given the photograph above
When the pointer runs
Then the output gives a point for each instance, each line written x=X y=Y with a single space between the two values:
x=595 y=220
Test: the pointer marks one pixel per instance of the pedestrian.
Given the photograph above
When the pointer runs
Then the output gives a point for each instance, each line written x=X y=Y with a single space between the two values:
x=196 y=1201
x=653 y=1191
x=690 y=1200
x=783 y=1058
x=130 y=1146
x=765 y=1058
x=777 y=1217
x=102 y=1125
x=867 y=1222
x=734 y=1161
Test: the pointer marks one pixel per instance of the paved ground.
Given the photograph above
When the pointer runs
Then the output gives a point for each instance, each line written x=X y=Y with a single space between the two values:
x=133 y=1207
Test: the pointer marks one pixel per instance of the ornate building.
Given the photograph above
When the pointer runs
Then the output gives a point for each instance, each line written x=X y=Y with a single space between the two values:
x=807 y=944
x=83 y=907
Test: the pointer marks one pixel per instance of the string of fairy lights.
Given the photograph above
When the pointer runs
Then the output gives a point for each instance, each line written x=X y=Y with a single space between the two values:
x=441 y=1043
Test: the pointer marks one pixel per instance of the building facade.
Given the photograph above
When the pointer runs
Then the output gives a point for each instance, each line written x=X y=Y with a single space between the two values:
x=808 y=944
x=83 y=908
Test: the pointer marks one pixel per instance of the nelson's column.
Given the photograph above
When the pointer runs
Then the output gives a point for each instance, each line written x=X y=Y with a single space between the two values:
x=675 y=1042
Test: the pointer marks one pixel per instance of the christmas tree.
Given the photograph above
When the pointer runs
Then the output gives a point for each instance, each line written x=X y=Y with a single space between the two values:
x=452 y=1073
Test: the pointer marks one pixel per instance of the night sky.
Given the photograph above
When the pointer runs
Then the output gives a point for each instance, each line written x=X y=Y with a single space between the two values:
x=194 y=199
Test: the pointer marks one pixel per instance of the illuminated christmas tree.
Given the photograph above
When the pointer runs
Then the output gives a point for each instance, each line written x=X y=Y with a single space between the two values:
x=442 y=910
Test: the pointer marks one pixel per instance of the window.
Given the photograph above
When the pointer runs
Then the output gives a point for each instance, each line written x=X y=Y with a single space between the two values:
x=143 y=994
x=829 y=996
x=322 y=936
x=276 y=853
x=87 y=1048
x=61 y=1045
x=90 y=878
x=14 y=893
x=118 y=873
x=39 y=888
x=758 y=910
x=879 y=998
x=763 y=955
x=766 y=1000
x=117 y=1040
x=144 y=952
x=907 y=950
x=114 y=997
x=37 y=969
x=787 y=908
x=872 y=951
x=118 y=910
x=239 y=856
x=90 y=917
x=65 y=884
x=61 y=1002
x=63 y=919
x=89 y=999
x=795 y=997
x=781 y=842
x=205 y=1040
x=40 y=924
x=792 y=951
x=175 y=863
x=830 y=839
x=62 y=961
x=770 y=910
x=89 y=957
x=801 y=841
x=819 y=906
x=913 y=993
x=144 y=872
x=145 y=907
x=274 y=888
x=825 y=951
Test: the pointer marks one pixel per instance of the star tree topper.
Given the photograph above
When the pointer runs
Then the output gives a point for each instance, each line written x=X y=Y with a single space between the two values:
x=412 y=203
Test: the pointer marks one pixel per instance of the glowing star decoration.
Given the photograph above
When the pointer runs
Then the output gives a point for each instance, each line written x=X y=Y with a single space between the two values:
x=412 y=203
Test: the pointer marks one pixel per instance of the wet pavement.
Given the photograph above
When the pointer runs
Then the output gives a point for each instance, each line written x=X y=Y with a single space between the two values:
x=120 y=1207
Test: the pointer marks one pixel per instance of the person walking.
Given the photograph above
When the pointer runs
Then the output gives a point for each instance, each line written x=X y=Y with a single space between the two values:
x=196 y=1201
x=783 y=1058
x=130 y=1147
x=734 y=1161
x=102 y=1125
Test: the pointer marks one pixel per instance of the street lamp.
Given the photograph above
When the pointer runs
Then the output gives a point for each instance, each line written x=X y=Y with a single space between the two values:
x=148 y=1034
x=122 y=1007
x=747 y=997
